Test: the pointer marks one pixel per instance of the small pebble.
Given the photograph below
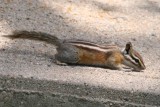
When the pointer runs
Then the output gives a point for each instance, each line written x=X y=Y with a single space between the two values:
x=153 y=34
x=134 y=39
x=49 y=65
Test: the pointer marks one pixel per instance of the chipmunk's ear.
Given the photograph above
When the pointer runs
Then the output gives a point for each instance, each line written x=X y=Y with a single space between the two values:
x=128 y=47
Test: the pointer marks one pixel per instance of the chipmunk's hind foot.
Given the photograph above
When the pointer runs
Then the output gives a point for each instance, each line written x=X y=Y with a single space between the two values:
x=60 y=63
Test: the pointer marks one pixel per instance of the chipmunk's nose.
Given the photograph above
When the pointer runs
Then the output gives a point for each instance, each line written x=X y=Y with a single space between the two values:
x=144 y=67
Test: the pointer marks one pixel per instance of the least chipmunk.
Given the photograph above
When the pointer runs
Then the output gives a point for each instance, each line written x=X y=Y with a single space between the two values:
x=80 y=52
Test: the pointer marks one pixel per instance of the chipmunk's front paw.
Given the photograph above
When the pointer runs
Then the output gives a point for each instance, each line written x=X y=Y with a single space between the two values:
x=127 y=69
x=133 y=70
x=137 y=70
x=60 y=63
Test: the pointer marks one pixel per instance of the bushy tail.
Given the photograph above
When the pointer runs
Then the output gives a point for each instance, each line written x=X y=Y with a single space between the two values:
x=32 y=35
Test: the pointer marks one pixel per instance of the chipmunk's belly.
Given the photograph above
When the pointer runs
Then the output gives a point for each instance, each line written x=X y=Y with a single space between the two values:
x=91 y=57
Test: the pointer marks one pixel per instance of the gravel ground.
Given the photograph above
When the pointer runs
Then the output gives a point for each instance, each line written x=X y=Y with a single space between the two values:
x=100 y=21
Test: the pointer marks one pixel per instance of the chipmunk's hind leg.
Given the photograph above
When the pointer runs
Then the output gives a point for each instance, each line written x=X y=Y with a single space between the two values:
x=67 y=54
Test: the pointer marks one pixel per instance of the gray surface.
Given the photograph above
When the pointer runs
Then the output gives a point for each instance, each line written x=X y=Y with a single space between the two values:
x=101 y=21
x=39 y=92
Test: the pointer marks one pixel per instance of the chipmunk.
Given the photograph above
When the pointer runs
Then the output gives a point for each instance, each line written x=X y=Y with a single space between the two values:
x=81 y=52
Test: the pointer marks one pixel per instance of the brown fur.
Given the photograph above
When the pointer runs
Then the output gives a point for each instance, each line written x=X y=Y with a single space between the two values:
x=91 y=57
x=112 y=58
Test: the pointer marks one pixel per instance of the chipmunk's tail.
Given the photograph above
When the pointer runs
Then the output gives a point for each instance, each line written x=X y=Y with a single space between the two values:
x=32 y=35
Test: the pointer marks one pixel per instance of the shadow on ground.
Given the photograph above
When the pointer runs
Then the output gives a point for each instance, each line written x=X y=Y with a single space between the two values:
x=32 y=91
x=151 y=6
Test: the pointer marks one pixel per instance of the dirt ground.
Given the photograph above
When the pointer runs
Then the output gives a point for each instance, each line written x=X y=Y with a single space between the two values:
x=100 y=21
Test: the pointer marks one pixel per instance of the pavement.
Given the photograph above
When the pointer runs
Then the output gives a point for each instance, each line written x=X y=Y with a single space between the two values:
x=29 y=76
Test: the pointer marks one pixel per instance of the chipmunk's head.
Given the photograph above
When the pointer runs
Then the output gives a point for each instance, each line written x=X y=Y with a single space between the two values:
x=135 y=56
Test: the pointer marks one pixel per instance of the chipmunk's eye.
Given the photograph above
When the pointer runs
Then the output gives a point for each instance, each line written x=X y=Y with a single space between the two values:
x=137 y=60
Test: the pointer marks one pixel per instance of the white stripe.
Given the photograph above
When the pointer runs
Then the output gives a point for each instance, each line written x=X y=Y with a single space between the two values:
x=94 y=47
